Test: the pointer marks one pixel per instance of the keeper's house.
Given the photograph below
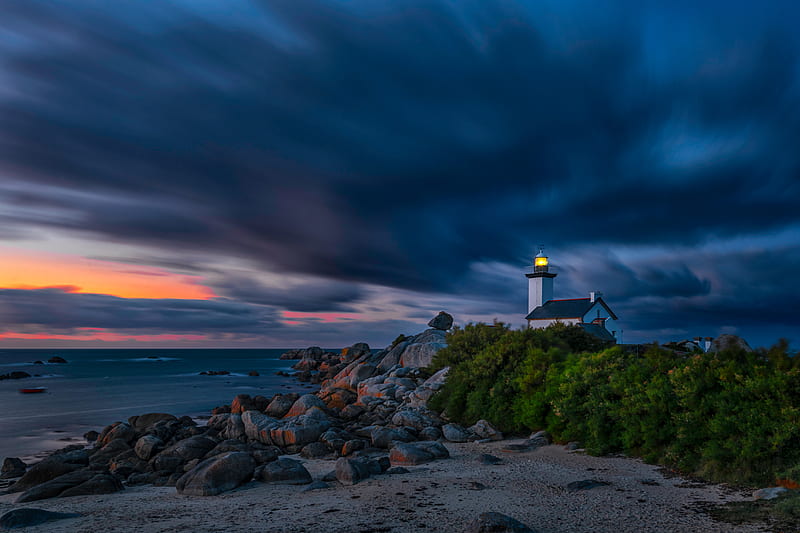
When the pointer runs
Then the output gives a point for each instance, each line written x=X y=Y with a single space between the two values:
x=592 y=313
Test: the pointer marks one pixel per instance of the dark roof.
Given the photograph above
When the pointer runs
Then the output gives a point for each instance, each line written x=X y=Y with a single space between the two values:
x=574 y=308
x=598 y=331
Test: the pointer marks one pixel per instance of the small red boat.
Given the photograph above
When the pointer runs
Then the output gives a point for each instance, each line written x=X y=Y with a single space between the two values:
x=33 y=390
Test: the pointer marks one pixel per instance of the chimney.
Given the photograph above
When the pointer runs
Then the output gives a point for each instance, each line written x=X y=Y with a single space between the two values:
x=594 y=295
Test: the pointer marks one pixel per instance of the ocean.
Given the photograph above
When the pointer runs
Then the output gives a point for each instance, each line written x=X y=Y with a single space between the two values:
x=97 y=387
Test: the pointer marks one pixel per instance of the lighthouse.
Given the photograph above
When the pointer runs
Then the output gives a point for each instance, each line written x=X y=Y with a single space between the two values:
x=540 y=281
x=592 y=313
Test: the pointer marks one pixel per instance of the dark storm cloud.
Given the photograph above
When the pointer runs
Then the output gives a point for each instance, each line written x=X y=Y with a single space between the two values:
x=305 y=297
x=396 y=144
x=55 y=310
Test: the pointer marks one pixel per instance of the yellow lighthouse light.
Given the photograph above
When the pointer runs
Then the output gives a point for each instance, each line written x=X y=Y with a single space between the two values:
x=540 y=261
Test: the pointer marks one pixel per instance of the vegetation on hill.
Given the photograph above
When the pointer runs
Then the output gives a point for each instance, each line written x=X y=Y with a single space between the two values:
x=729 y=416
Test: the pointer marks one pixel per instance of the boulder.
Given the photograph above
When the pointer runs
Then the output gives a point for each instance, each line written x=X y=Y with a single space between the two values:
x=296 y=432
x=729 y=342
x=303 y=404
x=383 y=437
x=354 y=445
x=91 y=436
x=20 y=518
x=420 y=355
x=351 y=471
x=147 y=446
x=143 y=423
x=484 y=430
x=284 y=471
x=338 y=398
x=315 y=450
x=99 y=484
x=430 y=433
x=242 y=403
x=414 y=419
x=234 y=428
x=174 y=457
x=392 y=357
x=456 y=433
x=119 y=431
x=111 y=450
x=217 y=475
x=443 y=321
x=355 y=351
x=417 y=453
x=12 y=467
x=496 y=523
x=258 y=426
x=280 y=405
x=57 y=360
x=42 y=472
x=77 y=483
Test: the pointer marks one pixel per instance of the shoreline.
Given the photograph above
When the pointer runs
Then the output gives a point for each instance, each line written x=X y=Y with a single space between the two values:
x=441 y=496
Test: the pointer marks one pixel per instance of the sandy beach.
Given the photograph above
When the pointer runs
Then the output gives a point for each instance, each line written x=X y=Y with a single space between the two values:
x=443 y=496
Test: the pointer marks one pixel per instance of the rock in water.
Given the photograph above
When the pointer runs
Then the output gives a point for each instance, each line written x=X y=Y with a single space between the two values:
x=57 y=360
x=217 y=475
x=19 y=518
x=496 y=523
x=443 y=321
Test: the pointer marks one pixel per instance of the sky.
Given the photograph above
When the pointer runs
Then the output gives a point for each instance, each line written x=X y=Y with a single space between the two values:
x=321 y=172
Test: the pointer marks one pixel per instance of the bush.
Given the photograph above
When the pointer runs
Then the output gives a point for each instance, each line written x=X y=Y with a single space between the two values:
x=729 y=416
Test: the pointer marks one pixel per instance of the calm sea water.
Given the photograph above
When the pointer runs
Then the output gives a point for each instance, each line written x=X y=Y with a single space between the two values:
x=98 y=387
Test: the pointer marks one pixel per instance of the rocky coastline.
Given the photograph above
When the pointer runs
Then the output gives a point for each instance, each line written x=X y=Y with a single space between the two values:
x=368 y=421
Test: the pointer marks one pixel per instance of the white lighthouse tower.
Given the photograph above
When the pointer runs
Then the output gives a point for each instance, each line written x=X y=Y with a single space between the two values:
x=540 y=281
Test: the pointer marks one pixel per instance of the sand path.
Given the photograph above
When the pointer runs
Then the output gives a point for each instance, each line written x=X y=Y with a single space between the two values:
x=441 y=496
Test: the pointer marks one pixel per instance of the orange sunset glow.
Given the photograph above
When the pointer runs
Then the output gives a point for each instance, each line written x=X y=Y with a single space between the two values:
x=33 y=270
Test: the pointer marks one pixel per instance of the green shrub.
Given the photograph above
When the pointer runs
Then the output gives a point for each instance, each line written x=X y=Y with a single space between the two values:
x=730 y=416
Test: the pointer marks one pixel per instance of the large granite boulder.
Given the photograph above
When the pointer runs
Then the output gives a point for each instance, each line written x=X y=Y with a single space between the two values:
x=257 y=426
x=443 y=321
x=415 y=419
x=284 y=471
x=383 y=437
x=420 y=354
x=174 y=457
x=42 y=472
x=484 y=430
x=77 y=483
x=217 y=474
x=303 y=404
x=280 y=405
x=143 y=423
x=351 y=471
x=456 y=433
x=417 y=453
x=118 y=431
x=147 y=446
x=728 y=342
x=294 y=433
